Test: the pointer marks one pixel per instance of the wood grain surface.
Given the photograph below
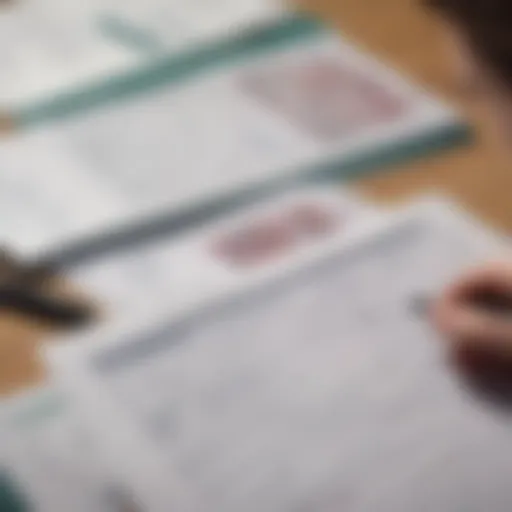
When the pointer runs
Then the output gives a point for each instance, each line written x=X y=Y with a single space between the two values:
x=405 y=36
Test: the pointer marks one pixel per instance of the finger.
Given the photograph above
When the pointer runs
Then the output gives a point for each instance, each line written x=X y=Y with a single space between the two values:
x=496 y=277
x=491 y=279
x=469 y=327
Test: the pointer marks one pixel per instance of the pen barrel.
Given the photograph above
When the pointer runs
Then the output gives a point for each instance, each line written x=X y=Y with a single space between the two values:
x=56 y=311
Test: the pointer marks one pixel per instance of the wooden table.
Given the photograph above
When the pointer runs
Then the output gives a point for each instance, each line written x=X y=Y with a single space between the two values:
x=401 y=33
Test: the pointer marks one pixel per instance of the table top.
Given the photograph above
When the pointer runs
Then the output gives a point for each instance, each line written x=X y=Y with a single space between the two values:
x=409 y=39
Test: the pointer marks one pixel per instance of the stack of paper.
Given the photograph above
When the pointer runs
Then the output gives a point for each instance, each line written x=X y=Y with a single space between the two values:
x=48 y=459
x=303 y=379
x=273 y=359
x=304 y=106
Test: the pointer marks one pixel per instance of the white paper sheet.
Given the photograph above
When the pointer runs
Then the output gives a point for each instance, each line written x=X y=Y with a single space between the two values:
x=165 y=271
x=50 y=46
x=49 y=460
x=48 y=198
x=311 y=386
x=173 y=25
x=242 y=126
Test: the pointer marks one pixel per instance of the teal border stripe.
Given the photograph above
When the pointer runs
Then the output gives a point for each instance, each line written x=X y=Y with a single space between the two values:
x=168 y=69
x=332 y=172
x=12 y=498
x=437 y=140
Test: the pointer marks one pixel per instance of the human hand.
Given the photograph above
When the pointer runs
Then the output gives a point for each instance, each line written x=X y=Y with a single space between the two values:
x=475 y=313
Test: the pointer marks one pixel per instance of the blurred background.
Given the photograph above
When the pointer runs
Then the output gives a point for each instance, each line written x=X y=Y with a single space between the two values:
x=404 y=34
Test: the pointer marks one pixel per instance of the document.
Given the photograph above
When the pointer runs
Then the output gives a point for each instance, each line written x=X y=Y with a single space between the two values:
x=47 y=462
x=164 y=271
x=52 y=46
x=278 y=116
x=48 y=198
x=178 y=25
x=314 y=385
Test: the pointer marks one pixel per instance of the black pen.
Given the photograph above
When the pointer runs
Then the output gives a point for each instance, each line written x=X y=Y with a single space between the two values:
x=23 y=290
x=34 y=303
